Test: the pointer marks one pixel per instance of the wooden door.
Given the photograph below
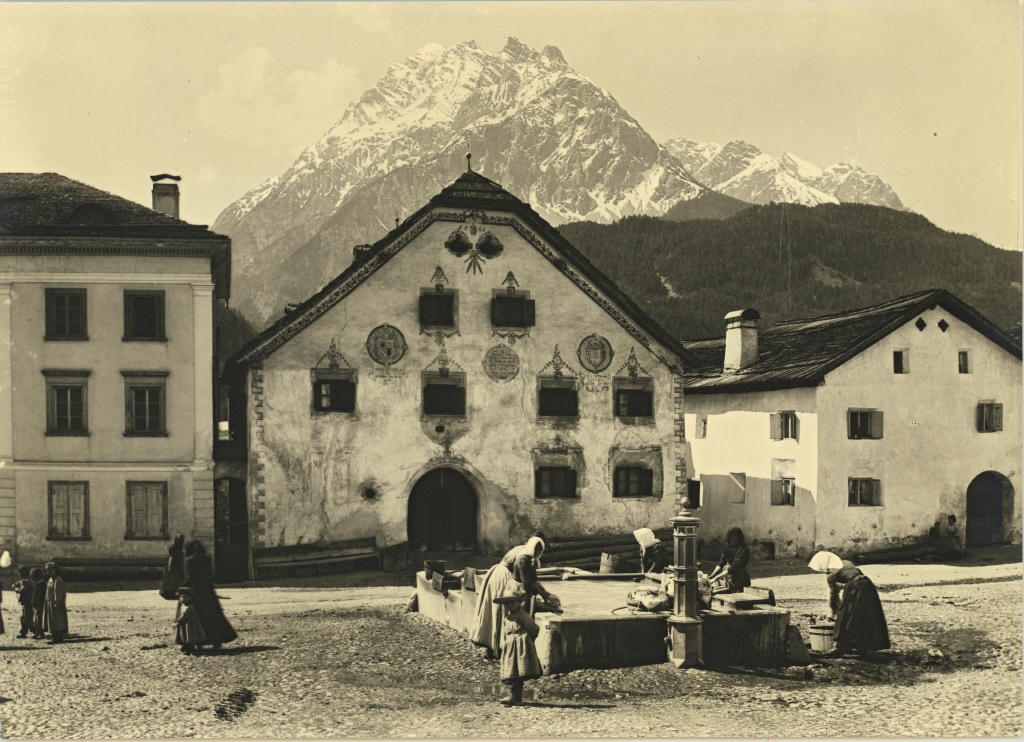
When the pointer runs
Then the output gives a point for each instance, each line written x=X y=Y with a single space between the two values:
x=442 y=513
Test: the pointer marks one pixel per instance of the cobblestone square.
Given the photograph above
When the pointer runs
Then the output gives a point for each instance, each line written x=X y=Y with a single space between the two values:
x=320 y=661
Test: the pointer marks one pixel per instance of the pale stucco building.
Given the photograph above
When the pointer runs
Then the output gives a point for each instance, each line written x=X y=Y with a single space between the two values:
x=106 y=372
x=469 y=378
x=857 y=430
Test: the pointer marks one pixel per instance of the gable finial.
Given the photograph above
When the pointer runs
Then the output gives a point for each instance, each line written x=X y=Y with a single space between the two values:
x=469 y=162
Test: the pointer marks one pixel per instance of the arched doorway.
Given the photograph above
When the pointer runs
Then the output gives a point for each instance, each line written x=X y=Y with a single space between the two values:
x=442 y=512
x=989 y=507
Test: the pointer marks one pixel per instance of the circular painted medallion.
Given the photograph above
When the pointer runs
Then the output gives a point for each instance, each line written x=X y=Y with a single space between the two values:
x=595 y=353
x=386 y=345
x=501 y=363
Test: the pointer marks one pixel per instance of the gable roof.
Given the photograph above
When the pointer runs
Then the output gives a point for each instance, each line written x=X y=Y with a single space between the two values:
x=800 y=353
x=50 y=206
x=472 y=192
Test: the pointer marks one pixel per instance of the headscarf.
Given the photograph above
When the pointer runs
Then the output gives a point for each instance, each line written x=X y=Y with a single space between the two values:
x=824 y=561
x=194 y=547
x=645 y=537
x=531 y=548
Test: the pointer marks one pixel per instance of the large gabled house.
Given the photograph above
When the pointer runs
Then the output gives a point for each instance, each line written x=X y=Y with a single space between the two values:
x=858 y=430
x=106 y=372
x=469 y=378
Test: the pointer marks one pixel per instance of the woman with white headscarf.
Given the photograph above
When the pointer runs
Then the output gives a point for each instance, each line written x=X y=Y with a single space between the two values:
x=652 y=552
x=519 y=563
x=853 y=598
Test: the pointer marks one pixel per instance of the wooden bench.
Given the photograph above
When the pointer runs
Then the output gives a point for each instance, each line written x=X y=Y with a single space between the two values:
x=318 y=559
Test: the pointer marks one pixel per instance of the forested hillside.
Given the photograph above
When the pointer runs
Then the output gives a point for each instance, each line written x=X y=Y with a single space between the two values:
x=792 y=261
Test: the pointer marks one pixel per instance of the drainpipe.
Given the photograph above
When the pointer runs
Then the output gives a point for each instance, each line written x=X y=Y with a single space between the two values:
x=685 y=626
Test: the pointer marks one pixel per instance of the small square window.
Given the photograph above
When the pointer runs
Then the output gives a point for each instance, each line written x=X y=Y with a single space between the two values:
x=864 y=424
x=146 y=510
x=557 y=398
x=444 y=396
x=963 y=362
x=437 y=309
x=633 y=481
x=145 y=403
x=989 y=417
x=784 y=491
x=513 y=310
x=901 y=361
x=554 y=481
x=144 y=315
x=784 y=425
x=68 y=510
x=66 y=314
x=865 y=492
x=634 y=401
x=66 y=402
x=334 y=391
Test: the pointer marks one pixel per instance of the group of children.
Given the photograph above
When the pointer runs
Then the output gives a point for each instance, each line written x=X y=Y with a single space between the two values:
x=43 y=602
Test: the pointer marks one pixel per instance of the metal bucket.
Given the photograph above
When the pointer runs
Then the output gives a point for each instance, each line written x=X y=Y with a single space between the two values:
x=822 y=637
x=613 y=564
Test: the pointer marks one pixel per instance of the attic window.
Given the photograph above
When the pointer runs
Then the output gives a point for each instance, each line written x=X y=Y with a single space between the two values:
x=943 y=325
x=901 y=361
x=91 y=214
x=920 y=324
x=438 y=308
x=515 y=309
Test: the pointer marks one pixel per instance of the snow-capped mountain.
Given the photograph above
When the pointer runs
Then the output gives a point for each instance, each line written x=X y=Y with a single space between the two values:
x=743 y=171
x=532 y=123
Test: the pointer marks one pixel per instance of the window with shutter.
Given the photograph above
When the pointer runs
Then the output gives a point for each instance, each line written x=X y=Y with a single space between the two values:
x=444 y=396
x=633 y=400
x=146 y=510
x=144 y=315
x=554 y=481
x=145 y=403
x=557 y=398
x=783 y=491
x=963 y=362
x=775 y=426
x=437 y=309
x=65 y=314
x=633 y=481
x=68 y=510
x=901 y=361
x=989 y=417
x=865 y=492
x=864 y=424
x=513 y=310
x=66 y=395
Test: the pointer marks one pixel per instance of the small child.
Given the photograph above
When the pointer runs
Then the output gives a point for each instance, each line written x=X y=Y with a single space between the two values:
x=38 y=601
x=55 y=607
x=25 y=588
x=519 y=661
x=188 y=630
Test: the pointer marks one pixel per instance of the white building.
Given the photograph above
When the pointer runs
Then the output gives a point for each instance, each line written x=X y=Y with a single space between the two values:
x=858 y=430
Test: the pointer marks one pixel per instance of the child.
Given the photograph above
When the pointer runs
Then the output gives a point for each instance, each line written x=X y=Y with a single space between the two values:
x=189 y=631
x=519 y=661
x=55 y=609
x=38 y=601
x=24 y=587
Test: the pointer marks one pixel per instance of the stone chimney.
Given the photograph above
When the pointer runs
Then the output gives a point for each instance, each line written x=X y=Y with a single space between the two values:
x=165 y=195
x=361 y=252
x=740 y=339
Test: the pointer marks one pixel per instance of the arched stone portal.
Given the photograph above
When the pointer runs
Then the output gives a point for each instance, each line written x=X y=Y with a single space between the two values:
x=989 y=509
x=442 y=512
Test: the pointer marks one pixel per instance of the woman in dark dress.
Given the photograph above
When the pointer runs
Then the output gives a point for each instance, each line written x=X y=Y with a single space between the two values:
x=199 y=580
x=860 y=622
x=735 y=557
x=652 y=552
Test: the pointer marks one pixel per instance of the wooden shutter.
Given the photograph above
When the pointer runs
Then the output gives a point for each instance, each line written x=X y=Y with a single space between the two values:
x=154 y=510
x=875 y=487
x=646 y=482
x=997 y=417
x=77 y=510
x=58 y=510
x=851 y=491
x=343 y=396
x=979 y=417
x=778 y=492
x=495 y=312
x=426 y=310
x=51 y=310
x=796 y=427
x=129 y=315
x=529 y=313
x=136 y=509
x=849 y=423
x=776 y=426
x=876 y=423
x=569 y=483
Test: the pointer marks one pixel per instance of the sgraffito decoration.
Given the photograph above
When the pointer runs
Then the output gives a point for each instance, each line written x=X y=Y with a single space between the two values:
x=386 y=345
x=439 y=279
x=443 y=364
x=510 y=282
x=333 y=359
x=501 y=363
x=595 y=353
x=633 y=368
x=556 y=368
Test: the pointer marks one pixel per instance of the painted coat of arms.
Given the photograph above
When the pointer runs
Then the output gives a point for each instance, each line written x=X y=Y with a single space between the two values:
x=386 y=345
x=595 y=353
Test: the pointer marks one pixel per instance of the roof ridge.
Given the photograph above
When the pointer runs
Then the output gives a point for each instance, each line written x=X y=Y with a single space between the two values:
x=860 y=310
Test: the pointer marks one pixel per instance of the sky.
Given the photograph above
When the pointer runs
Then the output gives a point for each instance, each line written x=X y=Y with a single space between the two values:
x=926 y=94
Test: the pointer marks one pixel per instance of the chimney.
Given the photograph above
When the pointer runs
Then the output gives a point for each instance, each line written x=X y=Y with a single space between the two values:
x=740 y=339
x=165 y=195
x=361 y=252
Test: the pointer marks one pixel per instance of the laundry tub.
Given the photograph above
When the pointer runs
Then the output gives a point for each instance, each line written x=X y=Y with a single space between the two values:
x=822 y=637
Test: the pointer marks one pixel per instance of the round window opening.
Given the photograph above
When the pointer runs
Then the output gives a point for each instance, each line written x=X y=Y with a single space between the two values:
x=439 y=429
x=369 y=493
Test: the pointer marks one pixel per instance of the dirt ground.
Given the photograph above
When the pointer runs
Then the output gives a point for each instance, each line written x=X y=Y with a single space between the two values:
x=337 y=657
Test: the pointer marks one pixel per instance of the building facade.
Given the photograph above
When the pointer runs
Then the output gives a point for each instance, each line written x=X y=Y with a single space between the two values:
x=470 y=378
x=859 y=430
x=106 y=372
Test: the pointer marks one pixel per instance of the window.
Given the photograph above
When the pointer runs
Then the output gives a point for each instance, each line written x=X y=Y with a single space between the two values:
x=738 y=488
x=334 y=391
x=989 y=417
x=633 y=481
x=865 y=492
x=66 y=402
x=963 y=362
x=513 y=310
x=901 y=361
x=145 y=403
x=864 y=424
x=437 y=308
x=69 y=510
x=634 y=401
x=693 y=492
x=144 y=315
x=444 y=395
x=783 y=425
x=557 y=398
x=65 y=314
x=147 y=510
x=784 y=491
x=555 y=481
x=702 y=426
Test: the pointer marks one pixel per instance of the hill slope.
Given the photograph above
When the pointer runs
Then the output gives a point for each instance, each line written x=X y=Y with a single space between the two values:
x=791 y=261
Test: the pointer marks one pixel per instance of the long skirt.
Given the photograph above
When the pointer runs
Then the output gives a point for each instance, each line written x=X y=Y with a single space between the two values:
x=214 y=623
x=519 y=659
x=860 y=622
x=189 y=630
x=55 y=618
x=487 y=621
